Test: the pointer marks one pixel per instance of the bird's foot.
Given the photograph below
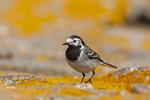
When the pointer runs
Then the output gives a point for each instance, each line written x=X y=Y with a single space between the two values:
x=88 y=81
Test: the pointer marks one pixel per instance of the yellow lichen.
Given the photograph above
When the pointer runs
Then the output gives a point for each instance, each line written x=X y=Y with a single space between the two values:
x=65 y=79
x=65 y=85
x=123 y=81
x=23 y=83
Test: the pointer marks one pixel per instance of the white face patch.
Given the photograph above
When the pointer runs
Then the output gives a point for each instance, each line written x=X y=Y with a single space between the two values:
x=69 y=40
x=75 y=41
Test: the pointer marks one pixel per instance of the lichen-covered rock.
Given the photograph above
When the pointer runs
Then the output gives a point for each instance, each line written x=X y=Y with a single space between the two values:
x=84 y=86
x=130 y=69
x=14 y=79
x=128 y=84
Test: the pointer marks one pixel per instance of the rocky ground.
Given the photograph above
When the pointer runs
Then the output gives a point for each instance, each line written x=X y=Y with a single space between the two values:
x=128 y=83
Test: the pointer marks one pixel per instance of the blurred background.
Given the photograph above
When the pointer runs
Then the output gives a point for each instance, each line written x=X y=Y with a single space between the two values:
x=32 y=33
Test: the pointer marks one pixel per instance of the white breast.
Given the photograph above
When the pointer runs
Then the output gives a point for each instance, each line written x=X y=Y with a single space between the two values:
x=83 y=64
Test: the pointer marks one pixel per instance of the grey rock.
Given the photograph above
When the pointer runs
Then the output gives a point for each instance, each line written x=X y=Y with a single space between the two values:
x=140 y=88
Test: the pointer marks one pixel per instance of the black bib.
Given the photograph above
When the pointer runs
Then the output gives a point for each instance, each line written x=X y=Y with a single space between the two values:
x=73 y=52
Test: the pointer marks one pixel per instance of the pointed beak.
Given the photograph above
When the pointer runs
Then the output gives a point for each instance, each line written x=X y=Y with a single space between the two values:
x=65 y=43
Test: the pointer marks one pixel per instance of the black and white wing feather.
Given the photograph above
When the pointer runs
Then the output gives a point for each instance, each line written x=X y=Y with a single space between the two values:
x=93 y=55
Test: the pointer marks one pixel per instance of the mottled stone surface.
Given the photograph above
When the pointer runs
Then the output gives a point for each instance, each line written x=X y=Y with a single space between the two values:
x=129 y=84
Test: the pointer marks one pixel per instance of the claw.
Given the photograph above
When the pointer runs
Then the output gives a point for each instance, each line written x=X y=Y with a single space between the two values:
x=88 y=81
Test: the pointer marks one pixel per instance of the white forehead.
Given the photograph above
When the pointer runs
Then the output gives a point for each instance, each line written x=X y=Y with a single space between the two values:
x=70 y=39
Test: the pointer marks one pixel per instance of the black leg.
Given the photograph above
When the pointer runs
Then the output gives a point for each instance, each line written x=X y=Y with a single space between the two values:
x=90 y=79
x=82 y=77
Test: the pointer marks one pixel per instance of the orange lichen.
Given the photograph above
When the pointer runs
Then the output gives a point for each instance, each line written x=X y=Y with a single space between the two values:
x=24 y=83
x=24 y=17
x=91 y=9
x=29 y=17
x=121 y=82
x=63 y=80
x=66 y=86
x=96 y=10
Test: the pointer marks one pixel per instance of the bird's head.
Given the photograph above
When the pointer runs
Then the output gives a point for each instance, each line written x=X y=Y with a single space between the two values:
x=74 y=40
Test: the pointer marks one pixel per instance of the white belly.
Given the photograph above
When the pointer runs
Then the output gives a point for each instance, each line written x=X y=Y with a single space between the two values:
x=84 y=65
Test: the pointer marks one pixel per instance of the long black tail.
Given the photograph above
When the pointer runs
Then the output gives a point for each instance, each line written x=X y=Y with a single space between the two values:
x=108 y=65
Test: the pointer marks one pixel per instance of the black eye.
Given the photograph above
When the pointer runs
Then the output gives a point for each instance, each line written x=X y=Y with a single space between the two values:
x=74 y=40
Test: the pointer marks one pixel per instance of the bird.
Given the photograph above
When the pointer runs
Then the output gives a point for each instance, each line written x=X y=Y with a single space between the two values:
x=82 y=58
